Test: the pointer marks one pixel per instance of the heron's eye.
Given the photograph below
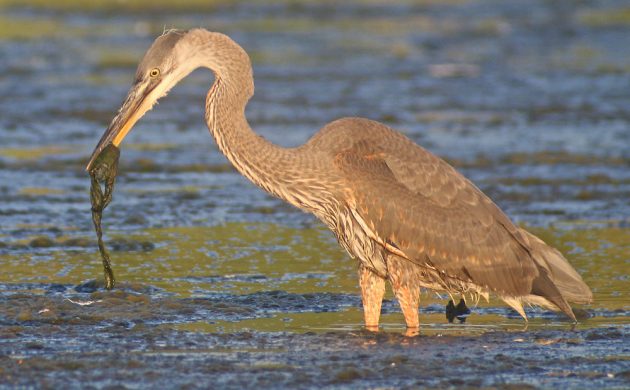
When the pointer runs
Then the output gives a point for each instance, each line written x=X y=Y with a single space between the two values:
x=155 y=72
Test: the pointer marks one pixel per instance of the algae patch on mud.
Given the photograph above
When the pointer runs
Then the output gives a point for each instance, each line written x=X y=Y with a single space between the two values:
x=103 y=171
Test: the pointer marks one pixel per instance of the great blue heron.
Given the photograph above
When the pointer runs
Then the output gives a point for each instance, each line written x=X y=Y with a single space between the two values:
x=405 y=214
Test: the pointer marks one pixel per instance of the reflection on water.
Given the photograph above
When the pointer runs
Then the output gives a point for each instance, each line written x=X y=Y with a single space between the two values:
x=240 y=259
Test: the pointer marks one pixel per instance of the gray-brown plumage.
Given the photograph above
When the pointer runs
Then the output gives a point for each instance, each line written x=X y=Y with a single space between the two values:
x=405 y=214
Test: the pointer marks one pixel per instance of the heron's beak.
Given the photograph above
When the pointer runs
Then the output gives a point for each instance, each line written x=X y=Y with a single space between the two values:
x=137 y=103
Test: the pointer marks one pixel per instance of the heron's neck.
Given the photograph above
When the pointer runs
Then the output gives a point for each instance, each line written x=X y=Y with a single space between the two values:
x=269 y=166
x=259 y=160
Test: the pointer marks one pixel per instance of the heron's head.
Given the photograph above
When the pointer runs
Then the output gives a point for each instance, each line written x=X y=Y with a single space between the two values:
x=170 y=58
x=164 y=64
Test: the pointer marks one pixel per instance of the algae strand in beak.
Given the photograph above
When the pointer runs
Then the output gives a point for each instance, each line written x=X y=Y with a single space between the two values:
x=103 y=171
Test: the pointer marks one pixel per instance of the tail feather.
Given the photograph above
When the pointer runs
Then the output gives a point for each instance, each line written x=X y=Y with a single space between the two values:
x=559 y=271
x=544 y=287
x=557 y=282
x=516 y=304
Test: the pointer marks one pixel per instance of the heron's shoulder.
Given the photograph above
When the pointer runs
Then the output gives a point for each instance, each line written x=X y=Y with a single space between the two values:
x=344 y=133
x=353 y=124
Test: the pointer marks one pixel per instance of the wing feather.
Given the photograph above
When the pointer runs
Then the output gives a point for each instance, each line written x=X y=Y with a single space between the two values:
x=437 y=218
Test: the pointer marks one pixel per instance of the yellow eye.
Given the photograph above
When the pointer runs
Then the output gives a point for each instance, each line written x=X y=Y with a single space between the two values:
x=155 y=72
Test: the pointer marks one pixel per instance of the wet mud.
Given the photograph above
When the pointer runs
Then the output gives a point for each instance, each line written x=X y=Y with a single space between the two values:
x=220 y=284
x=137 y=335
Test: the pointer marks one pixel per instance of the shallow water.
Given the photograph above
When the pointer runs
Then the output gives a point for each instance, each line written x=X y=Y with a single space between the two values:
x=219 y=280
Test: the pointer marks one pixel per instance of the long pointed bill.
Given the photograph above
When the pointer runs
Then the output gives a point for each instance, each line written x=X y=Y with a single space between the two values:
x=133 y=108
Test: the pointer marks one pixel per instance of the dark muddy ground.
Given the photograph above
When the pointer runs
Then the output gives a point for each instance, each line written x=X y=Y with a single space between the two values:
x=221 y=284
x=130 y=338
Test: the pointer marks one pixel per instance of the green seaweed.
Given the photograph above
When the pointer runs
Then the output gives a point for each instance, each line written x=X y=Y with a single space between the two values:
x=104 y=171
x=607 y=17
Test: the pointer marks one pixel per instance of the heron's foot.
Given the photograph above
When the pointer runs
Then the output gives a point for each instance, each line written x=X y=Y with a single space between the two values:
x=412 y=331
x=372 y=328
x=461 y=311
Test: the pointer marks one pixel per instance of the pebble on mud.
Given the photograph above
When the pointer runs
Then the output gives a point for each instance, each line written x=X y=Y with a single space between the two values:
x=126 y=245
x=347 y=375
x=78 y=242
x=135 y=219
x=41 y=242
x=89 y=287
x=138 y=298
x=24 y=315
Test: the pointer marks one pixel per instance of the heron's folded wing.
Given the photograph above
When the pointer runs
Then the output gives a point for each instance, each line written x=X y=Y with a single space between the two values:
x=459 y=233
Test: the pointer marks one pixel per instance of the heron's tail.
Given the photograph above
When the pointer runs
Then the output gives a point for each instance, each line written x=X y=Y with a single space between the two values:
x=557 y=283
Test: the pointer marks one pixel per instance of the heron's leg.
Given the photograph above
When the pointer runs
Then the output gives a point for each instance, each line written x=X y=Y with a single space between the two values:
x=372 y=291
x=404 y=280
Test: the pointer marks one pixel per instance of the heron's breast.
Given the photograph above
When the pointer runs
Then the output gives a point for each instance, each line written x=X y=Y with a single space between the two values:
x=358 y=243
